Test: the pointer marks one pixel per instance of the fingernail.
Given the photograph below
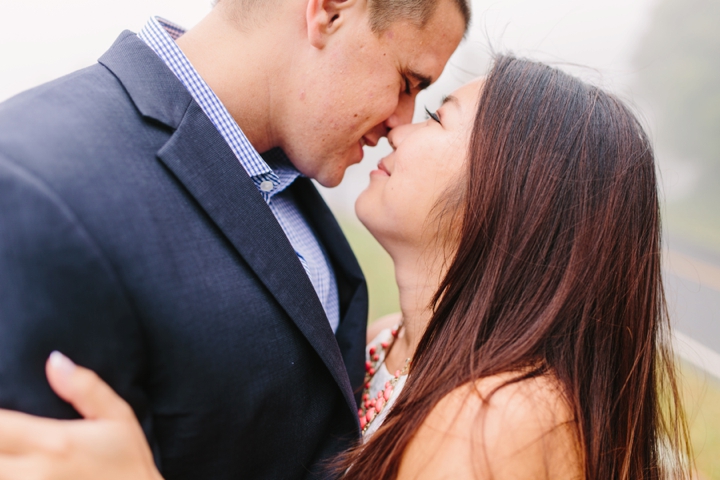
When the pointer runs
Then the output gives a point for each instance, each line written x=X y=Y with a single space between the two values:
x=62 y=363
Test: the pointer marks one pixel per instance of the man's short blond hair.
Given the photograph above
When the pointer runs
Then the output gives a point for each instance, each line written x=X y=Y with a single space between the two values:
x=383 y=13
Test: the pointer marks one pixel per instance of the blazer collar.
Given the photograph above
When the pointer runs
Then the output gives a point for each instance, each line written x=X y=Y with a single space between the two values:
x=154 y=89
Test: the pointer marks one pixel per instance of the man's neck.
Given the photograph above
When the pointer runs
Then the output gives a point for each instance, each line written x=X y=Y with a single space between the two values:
x=241 y=68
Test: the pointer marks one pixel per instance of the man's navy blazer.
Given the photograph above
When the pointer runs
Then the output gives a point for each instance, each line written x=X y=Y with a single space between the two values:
x=133 y=241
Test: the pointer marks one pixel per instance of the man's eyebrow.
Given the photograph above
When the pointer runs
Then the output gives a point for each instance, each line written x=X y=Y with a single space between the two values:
x=423 y=81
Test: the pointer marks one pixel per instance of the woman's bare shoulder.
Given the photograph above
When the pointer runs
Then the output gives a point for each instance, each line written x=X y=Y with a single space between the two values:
x=497 y=428
x=388 y=321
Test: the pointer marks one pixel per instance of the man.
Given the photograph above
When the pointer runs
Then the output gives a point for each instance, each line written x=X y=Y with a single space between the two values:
x=143 y=234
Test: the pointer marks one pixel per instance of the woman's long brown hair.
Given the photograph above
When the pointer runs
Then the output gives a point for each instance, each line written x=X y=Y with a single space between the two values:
x=557 y=270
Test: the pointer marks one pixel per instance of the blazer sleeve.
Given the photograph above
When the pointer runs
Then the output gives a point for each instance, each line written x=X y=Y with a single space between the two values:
x=58 y=292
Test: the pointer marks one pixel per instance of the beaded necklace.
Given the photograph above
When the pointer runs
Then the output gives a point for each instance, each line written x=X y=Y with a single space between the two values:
x=371 y=407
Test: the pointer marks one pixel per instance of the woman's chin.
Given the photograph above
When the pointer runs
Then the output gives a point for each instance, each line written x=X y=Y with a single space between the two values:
x=364 y=212
x=369 y=216
x=362 y=205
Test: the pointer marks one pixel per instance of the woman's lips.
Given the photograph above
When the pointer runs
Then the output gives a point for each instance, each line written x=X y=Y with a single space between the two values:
x=383 y=168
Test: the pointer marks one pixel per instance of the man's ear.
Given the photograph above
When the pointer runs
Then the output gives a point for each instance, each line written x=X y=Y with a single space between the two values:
x=325 y=17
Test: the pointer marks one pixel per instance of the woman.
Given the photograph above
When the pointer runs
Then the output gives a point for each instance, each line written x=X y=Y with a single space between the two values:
x=522 y=219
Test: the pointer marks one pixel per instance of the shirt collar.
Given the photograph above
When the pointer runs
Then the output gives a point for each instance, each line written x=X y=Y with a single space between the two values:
x=281 y=165
x=160 y=36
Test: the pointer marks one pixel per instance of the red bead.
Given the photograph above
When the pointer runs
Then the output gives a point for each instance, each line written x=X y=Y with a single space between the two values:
x=360 y=412
x=388 y=393
x=366 y=396
x=372 y=371
x=397 y=374
x=380 y=404
x=385 y=345
x=363 y=422
x=387 y=384
x=394 y=333
x=373 y=350
x=370 y=415
x=376 y=357
x=368 y=366
x=367 y=384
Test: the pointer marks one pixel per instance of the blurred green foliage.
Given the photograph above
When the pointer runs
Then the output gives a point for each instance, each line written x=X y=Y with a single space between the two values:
x=377 y=267
x=679 y=73
x=701 y=396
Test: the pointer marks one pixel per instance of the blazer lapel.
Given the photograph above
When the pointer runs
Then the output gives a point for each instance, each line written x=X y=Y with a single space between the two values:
x=351 y=282
x=200 y=159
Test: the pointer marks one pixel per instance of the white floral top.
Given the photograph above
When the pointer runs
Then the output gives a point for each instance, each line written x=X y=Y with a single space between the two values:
x=382 y=376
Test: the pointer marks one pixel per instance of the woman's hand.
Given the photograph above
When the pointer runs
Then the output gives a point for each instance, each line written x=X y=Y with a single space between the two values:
x=107 y=444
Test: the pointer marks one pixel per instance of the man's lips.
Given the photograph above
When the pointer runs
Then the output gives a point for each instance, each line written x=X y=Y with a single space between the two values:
x=368 y=141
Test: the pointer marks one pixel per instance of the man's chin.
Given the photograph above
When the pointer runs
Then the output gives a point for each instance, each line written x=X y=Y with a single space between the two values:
x=330 y=181
x=331 y=171
x=331 y=178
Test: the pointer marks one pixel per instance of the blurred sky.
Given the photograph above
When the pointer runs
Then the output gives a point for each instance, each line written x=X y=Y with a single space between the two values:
x=43 y=39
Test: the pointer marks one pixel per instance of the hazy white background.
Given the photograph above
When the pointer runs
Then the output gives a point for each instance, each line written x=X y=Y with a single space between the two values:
x=43 y=39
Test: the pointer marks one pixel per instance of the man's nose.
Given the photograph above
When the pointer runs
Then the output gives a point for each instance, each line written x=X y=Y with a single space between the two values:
x=403 y=114
x=397 y=135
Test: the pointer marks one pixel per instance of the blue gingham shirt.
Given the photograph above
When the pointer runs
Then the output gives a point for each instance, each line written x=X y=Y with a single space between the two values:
x=272 y=182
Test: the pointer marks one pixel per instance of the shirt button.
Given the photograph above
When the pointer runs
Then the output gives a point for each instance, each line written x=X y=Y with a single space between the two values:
x=267 y=186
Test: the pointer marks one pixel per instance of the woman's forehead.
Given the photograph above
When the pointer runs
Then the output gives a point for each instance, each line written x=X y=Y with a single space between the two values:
x=469 y=91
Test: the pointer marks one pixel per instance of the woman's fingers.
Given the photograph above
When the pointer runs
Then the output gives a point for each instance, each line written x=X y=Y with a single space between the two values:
x=21 y=433
x=37 y=448
x=109 y=444
x=85 y=391
x=19 y=468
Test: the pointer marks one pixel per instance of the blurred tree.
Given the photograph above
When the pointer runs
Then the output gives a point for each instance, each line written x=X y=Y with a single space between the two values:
x=678 y=66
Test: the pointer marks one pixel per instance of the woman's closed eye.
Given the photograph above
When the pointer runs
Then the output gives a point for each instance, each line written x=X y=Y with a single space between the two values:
x=432 y=115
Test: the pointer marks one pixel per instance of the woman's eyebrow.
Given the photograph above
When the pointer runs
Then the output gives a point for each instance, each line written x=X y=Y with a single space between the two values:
x=450 y=99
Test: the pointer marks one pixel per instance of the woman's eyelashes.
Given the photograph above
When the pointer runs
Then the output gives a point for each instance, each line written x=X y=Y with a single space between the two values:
x=432 y=115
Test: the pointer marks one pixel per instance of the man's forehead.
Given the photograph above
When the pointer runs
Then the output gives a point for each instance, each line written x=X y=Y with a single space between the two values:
x=422 y=52
x=422 y=66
